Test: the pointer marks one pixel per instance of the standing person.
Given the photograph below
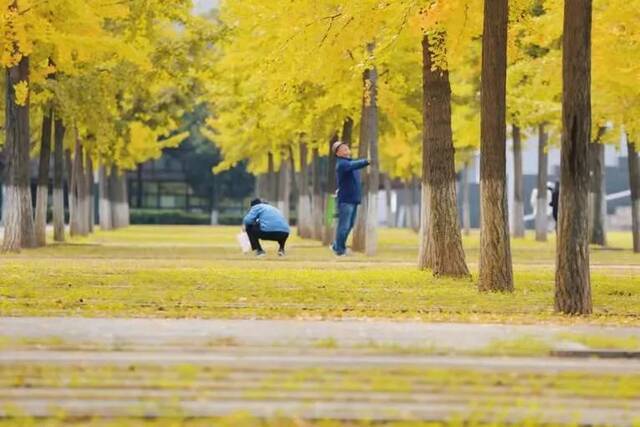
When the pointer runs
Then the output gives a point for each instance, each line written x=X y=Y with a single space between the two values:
x=264 y=222
x=349 y=194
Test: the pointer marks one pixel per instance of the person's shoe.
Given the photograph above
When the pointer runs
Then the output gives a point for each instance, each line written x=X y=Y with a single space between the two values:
x=281 y=252
x=260 y=253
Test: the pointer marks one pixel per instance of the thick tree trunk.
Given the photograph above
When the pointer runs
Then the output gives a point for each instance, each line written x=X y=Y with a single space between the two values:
x=104 y=208
x=466 y=202
x=597 y=195
x=438 y=169
x=330 y=200
x=495 y=249
x=304 y=198
x=518 y=187
x=317 y=212
x=634 y=185
x=58 y=182
x=262 y=185
x=573 y=282
x=360 y=229
x=18 y=220
x=42 y=193
x=90 y=201
x=426 y=255
x=541 y=200
x=347 y=131
x=284 y=186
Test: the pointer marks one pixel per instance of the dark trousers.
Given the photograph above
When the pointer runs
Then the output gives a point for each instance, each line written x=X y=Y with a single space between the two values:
x=255 y=235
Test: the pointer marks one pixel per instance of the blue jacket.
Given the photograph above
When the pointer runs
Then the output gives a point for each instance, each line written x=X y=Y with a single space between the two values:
x=267 y=217
x=348 y=178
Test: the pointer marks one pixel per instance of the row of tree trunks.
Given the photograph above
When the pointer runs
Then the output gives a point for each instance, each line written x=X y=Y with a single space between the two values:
x=597 y=192
x=573 y=282
x=441 y=233
x=518 y=184
x=541 y=199
x=58 y=179
x=42 y=192
x=495 y=249
x=634 y=185
x=18 y=220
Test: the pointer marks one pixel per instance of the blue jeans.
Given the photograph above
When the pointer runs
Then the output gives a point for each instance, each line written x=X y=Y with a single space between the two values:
x=346 y=220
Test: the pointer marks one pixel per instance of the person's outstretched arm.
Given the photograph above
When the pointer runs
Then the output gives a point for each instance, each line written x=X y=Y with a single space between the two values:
x=358 y=164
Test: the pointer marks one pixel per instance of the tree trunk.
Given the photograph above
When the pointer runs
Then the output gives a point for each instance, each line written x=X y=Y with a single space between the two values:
x=573 y=283
x=466 y=202
x=262 y=184
x=104 y=208
x=58 y=182
x=597 y=194
x=79 y=215
x=304 y=198
x=426 y=255
x=89 y=190
x=495 y=249
x=541 y=200
x=284 y=186
x=347 y=131
x=438 y=168
x=71 y=198
x=119 y=199
x=18 y=221
x=518 y=187
x=371 y=105
x=330 y=199
x=391 y=223
x=360 y=229
x=42 y=193
x=272 y=186
x=317 y=212
x=634 y=185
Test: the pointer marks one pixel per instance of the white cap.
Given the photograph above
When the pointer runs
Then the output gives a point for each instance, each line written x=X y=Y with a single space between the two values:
x=336 y=145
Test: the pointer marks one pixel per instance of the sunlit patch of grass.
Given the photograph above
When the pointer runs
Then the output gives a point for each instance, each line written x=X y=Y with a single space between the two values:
x=182 y=271
x=521 y=346
x=604 y=342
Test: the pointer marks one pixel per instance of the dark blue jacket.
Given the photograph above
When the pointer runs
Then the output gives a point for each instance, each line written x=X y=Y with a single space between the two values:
x=348 y=178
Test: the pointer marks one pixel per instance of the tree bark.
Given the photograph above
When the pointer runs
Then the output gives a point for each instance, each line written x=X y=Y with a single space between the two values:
x=42 y=192
x=518 y=188
x=426 y=255
x=371 y=105
x=541 y=200
x=495 y=249
x=304 y=198
x=71 y=198
x=317 y=212
x=58 y=181
x=104 y=208
x=573 y=282
x=634 y=185
x=347 y=131
x=329 y=226
x=597 y=193
x=18 y=221
x=466 y=202
x=438 y=168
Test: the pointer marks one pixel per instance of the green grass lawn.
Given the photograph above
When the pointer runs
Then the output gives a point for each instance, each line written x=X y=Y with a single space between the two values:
x=198 y=271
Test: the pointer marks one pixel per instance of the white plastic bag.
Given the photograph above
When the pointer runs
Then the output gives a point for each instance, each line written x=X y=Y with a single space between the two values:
x=243 y=241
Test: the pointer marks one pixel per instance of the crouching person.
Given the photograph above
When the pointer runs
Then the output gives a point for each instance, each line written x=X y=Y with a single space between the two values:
x=264 y=222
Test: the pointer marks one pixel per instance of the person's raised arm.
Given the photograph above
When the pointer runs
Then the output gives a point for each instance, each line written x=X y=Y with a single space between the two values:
x=357 y=164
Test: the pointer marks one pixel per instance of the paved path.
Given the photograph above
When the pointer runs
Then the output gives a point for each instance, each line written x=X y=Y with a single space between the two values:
x=463 y=337
x=352 y=369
